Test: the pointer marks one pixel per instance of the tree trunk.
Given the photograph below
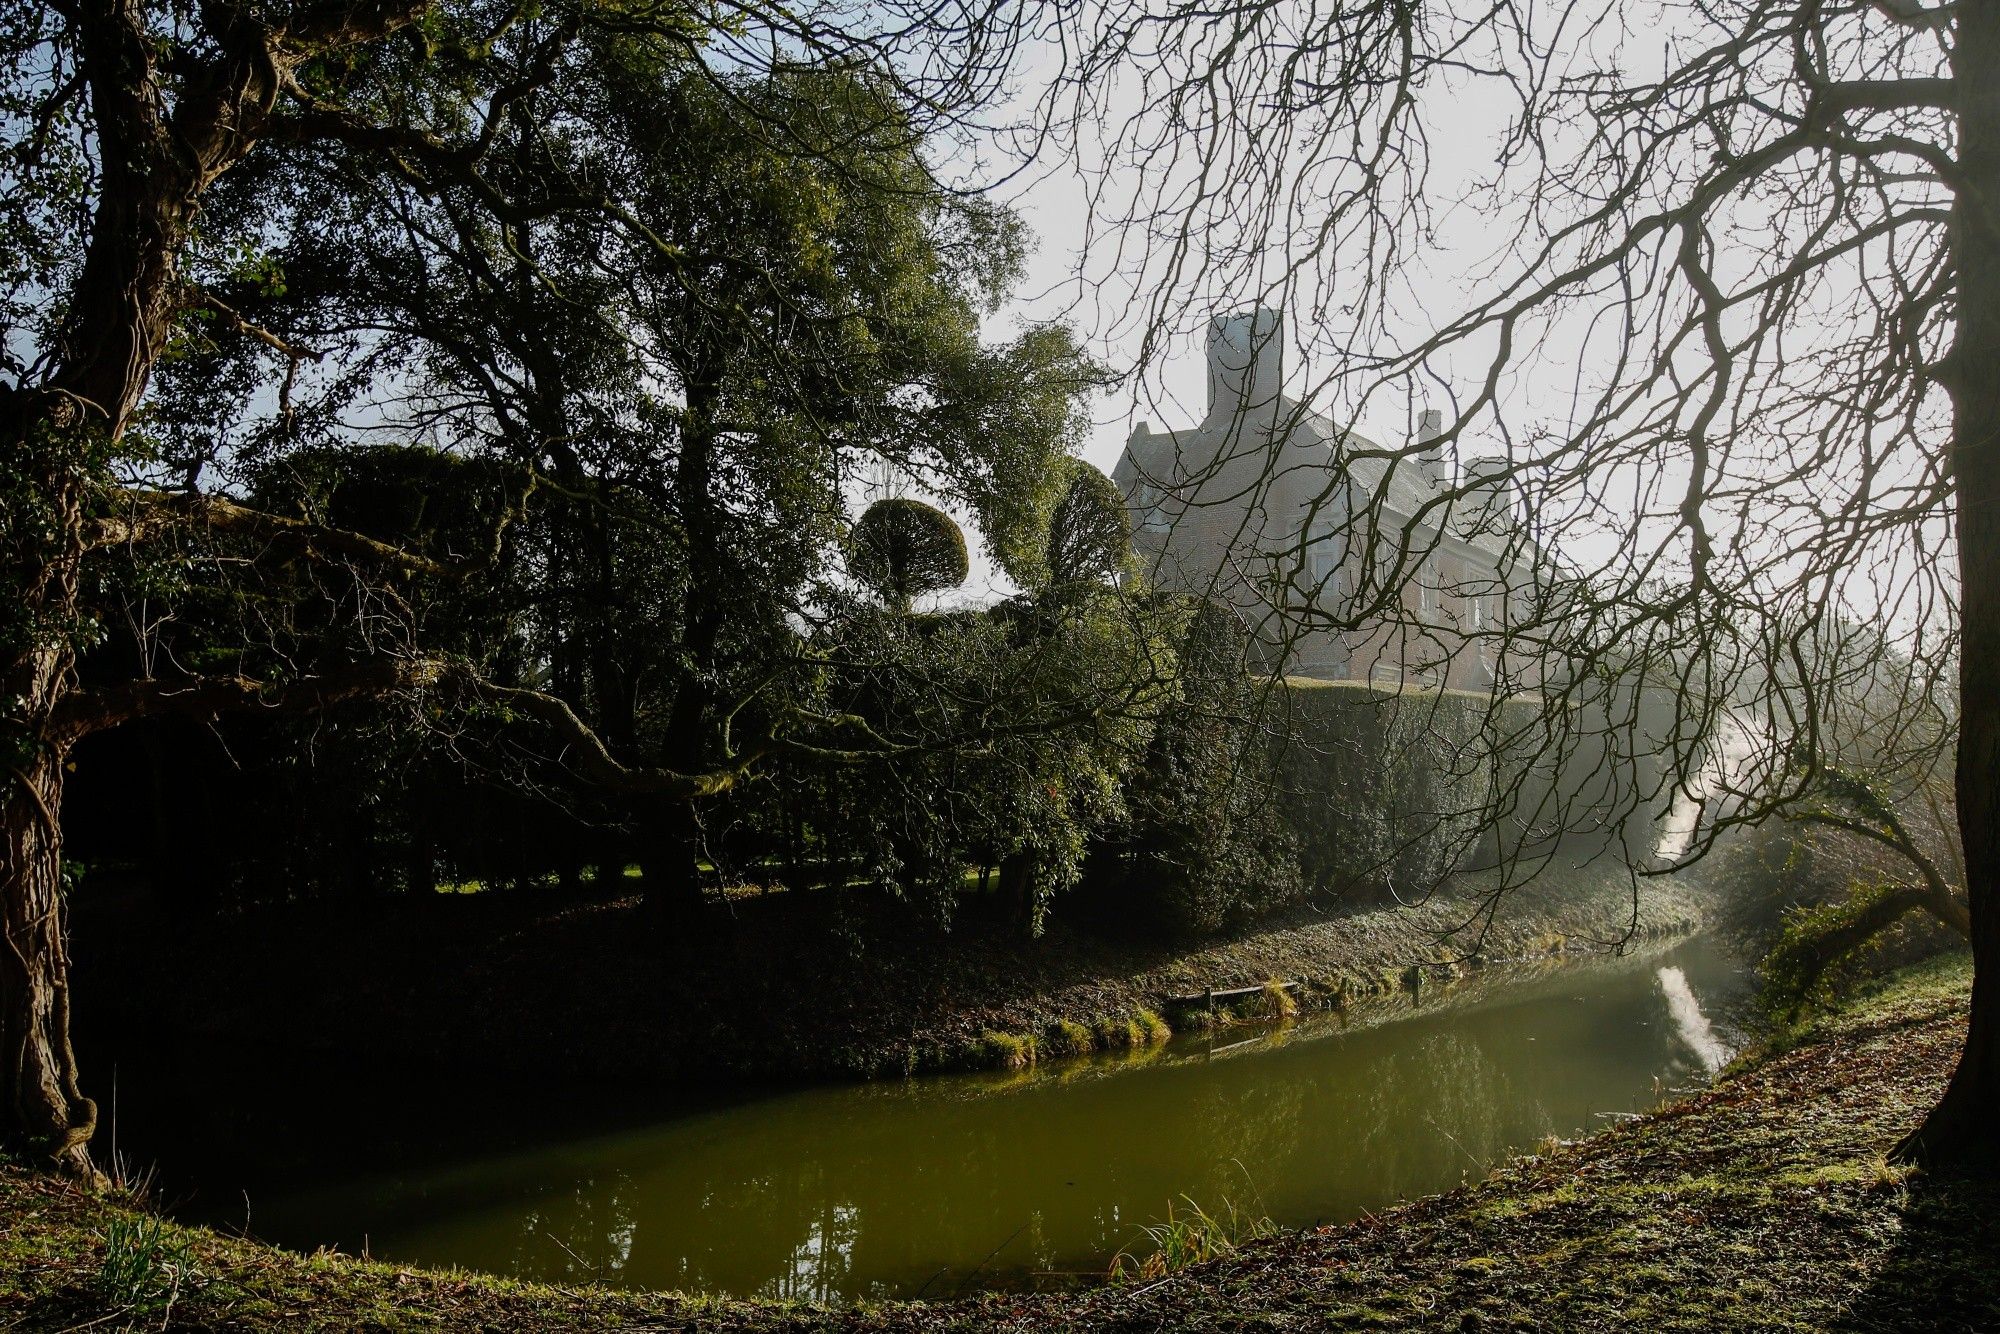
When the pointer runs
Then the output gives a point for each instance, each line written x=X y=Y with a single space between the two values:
x=1963 y=1130
x=42 y=1108
x=670 y=874
x=156 y=155
x=673 y=843
x=1018 y=891
x=118 y=317
x=47 y=1115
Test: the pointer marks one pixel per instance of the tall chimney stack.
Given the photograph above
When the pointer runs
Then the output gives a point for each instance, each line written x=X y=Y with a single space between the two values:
x=1430 y=426
x=1245 y=363
x=1490 y=508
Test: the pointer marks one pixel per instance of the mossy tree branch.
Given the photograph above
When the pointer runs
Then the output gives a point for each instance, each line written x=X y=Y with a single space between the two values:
x=143 y=516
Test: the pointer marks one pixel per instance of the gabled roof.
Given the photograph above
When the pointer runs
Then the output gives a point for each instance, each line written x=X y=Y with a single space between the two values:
x=1401 y=484
x=1148 y=457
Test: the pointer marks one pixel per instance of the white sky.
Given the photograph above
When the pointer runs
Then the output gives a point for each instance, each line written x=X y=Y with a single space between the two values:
x=1100 y=289
x=1104 y=288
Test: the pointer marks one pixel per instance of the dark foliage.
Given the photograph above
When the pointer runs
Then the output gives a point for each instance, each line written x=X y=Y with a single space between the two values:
x=1201 y=846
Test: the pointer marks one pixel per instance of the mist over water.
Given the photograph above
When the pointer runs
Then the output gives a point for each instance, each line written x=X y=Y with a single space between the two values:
x=1730 y=756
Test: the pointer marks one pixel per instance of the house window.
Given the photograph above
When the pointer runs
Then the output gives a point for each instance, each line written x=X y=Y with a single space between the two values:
x=1323 y=568
x=1146 y=500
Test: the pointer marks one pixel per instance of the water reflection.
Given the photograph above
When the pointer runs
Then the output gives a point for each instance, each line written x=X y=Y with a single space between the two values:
x=837 y=1192
x=1690 y=1022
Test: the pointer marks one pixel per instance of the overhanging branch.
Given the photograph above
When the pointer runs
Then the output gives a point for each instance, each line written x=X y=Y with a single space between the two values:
x=207 y=697
x=587 y=754
x=1886 y=94
x=148 y=516
x=95 y=710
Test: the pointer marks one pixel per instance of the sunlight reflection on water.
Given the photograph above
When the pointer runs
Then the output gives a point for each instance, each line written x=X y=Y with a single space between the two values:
x=1690 y=1022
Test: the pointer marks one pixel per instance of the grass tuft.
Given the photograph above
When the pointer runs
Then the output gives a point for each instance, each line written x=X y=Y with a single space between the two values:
x=1189 y=1237
x=1066 y=1037
x=1008 y=1051
x=146 y=1266
x=1278 y=1002
x=1117 y=1034
x=1152 y=1028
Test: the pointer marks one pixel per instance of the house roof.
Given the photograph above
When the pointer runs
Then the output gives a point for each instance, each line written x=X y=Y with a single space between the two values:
x=1400 y=482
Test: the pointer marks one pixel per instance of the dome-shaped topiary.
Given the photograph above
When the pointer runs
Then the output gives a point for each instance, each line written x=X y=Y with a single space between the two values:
x=1089 y=536
x=903 y=549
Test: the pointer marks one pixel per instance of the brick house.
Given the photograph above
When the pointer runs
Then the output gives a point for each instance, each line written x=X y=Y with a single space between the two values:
x=1276 y=510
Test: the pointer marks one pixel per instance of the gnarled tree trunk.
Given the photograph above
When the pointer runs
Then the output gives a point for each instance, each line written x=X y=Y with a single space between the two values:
x=43 y=1113
x=118 y=318
x=160 y=138
x=46 y=1115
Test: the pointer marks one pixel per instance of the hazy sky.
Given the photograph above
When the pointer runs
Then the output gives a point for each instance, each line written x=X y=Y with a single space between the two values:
x=1101 y=279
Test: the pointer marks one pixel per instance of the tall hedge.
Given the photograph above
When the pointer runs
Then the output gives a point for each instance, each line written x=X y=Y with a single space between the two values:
x=1381 y=788
x=1394 y=789
x=1201 y=846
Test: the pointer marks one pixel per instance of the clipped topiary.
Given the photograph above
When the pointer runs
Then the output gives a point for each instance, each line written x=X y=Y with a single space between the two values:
x=1089 y=537
x=902 y=549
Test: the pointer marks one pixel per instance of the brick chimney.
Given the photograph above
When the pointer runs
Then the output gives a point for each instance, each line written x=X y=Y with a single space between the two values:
x=1489 y=509
x=1245 y=363
x=1430 y=426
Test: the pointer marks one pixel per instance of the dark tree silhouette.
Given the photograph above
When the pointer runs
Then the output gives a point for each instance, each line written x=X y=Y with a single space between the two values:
x=119 y=119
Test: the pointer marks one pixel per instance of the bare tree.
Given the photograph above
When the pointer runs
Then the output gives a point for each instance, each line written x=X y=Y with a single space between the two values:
x=1715 y=291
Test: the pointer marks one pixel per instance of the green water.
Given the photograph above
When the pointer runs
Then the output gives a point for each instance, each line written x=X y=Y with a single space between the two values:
x=940 y=1185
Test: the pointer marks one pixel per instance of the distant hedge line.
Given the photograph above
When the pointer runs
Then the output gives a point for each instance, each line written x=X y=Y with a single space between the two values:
x=1396 y=788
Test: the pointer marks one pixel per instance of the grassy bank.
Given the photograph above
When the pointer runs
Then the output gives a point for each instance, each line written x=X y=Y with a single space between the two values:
x=1762 y=1203
x=539 y=987
x=1300 y=960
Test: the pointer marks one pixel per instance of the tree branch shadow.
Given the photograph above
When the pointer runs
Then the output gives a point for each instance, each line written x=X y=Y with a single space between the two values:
x=1943 y=1270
